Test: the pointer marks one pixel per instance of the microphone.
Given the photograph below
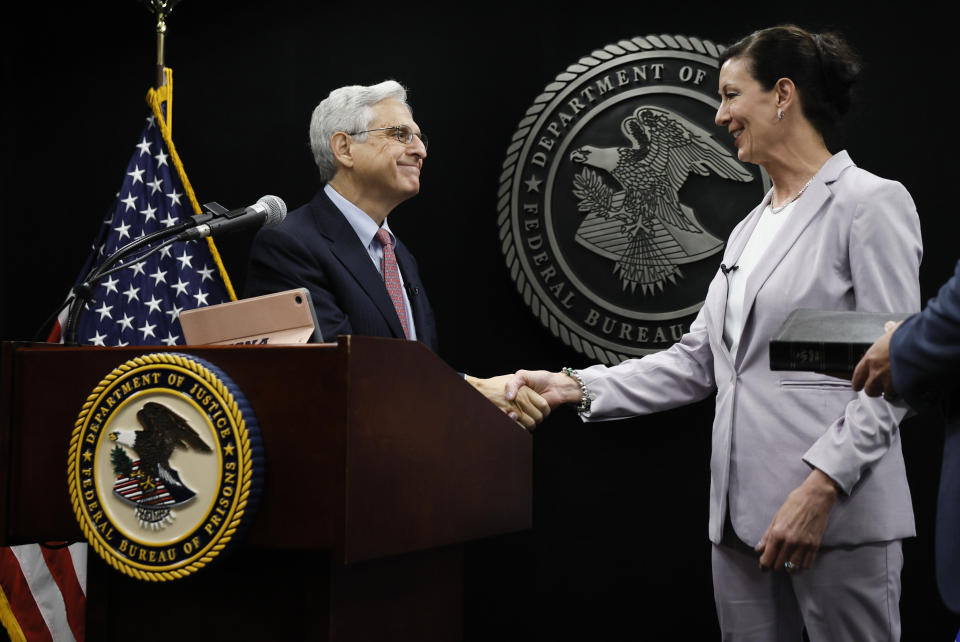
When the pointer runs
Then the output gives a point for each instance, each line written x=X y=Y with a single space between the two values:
x=267 y=211
x=727 y=270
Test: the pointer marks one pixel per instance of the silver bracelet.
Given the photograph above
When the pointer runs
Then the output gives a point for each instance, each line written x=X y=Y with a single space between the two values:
x=586 y=397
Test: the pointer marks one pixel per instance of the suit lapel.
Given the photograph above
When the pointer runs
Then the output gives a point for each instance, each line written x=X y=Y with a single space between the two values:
x=346 y=246
x=808 y=207
x=805 y=211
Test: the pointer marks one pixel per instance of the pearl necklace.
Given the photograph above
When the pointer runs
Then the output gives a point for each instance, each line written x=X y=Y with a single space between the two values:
x=777 y=210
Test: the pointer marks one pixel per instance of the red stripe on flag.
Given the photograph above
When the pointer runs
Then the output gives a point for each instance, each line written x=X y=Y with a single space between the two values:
x=21 y=600
x=54 y=336
x=60 y=563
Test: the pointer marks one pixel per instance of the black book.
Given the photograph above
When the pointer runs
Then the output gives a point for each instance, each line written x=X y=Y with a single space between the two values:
x=827 y=340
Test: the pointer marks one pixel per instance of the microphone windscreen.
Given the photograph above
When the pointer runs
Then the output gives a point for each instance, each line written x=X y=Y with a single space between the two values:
x=276 y=209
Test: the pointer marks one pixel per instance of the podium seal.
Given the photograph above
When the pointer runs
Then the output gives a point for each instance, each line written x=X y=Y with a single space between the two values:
x=617 y=194
x=165 y=466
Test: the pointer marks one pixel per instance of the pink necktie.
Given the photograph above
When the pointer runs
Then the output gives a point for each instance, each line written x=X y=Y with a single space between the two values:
x=391 y=278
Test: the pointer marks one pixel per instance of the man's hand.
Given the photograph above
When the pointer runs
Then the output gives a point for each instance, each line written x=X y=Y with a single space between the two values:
x=554 y=387
x=526 y=407
x=872 y=374
x=793 y=537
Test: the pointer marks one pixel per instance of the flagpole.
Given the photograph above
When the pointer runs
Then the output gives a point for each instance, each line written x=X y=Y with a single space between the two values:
x=162 y=8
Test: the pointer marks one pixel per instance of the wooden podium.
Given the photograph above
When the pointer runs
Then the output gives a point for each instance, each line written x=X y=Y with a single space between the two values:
x=380 y=463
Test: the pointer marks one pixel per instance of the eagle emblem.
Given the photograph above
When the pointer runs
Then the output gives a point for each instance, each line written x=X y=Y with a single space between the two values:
x=642 y=225
x=151 y=484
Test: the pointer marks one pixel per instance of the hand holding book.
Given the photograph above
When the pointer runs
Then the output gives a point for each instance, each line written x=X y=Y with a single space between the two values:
x=872 y=374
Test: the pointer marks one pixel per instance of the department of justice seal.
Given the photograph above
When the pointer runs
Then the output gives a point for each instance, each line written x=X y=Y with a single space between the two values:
x=165 y=466
x=617 y=194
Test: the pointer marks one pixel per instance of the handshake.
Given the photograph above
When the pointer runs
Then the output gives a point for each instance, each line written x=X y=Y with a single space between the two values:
x=528 y=396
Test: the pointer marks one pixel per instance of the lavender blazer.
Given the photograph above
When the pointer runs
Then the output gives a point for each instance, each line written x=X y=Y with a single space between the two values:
x=852 y=242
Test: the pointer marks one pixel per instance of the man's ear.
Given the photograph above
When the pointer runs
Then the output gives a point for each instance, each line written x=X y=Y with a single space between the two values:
x=340 y=145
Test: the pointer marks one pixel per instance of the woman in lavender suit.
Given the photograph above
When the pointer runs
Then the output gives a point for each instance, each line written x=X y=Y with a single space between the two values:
x=809 y=499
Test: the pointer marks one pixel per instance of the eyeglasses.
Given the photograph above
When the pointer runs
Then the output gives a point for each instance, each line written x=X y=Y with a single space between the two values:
x=401 y=132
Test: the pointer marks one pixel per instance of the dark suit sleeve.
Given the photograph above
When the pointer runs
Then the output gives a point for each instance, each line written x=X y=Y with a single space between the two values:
x=280 y=261
x=925 y=349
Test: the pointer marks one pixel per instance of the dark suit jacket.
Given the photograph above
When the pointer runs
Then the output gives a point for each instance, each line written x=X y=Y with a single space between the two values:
x=925 y=364
x=315 y=247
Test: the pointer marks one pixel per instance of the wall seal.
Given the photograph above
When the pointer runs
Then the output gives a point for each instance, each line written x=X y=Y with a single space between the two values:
x=617 y=194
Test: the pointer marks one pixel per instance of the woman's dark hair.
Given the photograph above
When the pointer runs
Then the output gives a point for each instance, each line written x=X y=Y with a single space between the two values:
x=822 y=66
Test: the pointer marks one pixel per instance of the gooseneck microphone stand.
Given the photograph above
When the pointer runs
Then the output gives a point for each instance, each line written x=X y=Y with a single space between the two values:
x=82 y=293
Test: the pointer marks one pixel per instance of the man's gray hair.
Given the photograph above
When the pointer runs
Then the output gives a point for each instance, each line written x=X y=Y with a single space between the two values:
x=347 y=109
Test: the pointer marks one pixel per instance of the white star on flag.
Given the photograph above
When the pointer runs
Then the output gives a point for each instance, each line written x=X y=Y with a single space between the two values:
x=111 y=284
x=160 y=276
x=144 y=146
x=149 y=213
x=185 y=259
x=205 y=273
x=123 y=230
x=153 y=303
x=147 y=329
x=131 y=293
x=180 y=286
x=126 y=323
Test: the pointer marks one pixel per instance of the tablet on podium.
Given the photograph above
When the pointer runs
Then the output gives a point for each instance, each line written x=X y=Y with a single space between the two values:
x=280 y=318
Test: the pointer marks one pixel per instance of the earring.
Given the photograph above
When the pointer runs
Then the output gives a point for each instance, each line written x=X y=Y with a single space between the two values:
x=779 y=114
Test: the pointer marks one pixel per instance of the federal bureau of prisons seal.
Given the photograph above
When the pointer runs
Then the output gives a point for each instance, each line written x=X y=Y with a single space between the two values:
x=165 y=466
x=617 y=194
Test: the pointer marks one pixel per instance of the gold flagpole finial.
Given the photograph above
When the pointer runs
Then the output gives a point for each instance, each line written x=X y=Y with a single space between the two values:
x=162 y=9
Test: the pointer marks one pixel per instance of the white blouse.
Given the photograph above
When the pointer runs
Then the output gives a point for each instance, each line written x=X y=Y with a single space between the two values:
x=763 y=236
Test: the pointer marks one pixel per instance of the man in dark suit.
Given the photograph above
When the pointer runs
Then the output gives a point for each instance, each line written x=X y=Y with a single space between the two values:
x=919 y=359
x=339 y=246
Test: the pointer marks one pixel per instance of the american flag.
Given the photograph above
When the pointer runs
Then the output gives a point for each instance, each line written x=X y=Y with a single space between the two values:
x=43 y=592
x=141 y=303
x=43 y=589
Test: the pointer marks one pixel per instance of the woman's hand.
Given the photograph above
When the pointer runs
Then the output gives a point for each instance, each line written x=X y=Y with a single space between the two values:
x=793 y=537
x=555 y=387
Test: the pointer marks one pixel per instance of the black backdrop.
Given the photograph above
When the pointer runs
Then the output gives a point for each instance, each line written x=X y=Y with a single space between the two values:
x=619 y=539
